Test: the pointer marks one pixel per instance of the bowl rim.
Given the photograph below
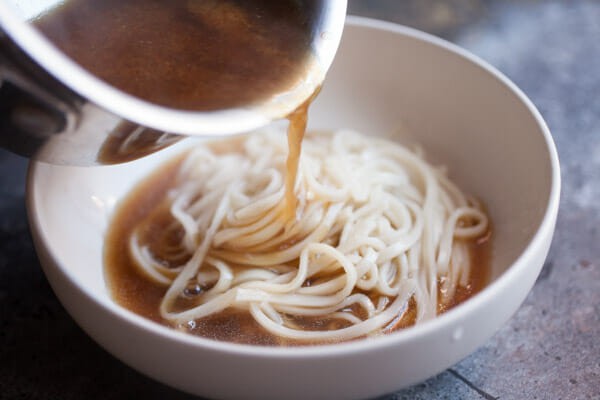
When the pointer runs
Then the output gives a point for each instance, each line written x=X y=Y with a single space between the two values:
x=486 y=295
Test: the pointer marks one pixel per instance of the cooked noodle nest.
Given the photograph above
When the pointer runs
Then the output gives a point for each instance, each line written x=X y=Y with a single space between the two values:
x=375 y=226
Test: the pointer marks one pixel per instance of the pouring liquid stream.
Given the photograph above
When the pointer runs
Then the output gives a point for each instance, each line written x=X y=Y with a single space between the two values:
x=298 y=120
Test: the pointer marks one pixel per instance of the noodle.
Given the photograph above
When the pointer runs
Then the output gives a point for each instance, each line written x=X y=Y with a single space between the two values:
x=376 y=227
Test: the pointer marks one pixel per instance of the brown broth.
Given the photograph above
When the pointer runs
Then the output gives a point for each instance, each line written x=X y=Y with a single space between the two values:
x=131 y=289
x=188 y=54
x=296 y=130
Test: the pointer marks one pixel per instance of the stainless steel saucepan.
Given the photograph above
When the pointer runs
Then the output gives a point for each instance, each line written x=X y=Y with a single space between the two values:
x=53 y=110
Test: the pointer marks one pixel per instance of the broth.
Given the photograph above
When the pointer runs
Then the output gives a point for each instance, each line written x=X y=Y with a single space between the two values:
x=131 y=289
x=188 y=54
x=296 y=130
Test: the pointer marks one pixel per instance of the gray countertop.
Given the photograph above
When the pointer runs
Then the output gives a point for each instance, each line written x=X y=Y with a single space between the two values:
x=550 y=349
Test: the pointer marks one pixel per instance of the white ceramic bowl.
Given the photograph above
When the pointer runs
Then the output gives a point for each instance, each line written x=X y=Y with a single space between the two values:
x=386 y=79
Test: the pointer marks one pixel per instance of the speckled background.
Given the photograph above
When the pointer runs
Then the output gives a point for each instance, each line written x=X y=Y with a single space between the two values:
x=549 y=350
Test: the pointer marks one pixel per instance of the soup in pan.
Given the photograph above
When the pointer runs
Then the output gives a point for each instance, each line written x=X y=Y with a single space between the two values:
x=199 y=55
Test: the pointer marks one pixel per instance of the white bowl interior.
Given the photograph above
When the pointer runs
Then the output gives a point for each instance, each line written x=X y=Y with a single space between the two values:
x=386 y=81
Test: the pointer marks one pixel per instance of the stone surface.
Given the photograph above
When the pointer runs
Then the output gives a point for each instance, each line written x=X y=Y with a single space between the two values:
x=550 y=349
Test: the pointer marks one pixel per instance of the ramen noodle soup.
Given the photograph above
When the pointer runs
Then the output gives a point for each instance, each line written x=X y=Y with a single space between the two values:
x=378 y=240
